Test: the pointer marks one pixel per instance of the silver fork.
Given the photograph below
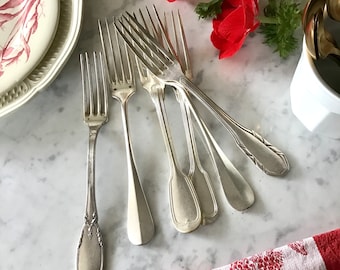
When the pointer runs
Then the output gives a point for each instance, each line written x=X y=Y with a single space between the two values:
x=90 y=248
x=197 y=172
x=140 y=225
x=238 y=192
x=267 y=157
x=184 y=204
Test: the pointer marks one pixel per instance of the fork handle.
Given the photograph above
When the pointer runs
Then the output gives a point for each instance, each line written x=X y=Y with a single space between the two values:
x=267 y=157
x=237 y=190
x=198 y=174
x=90 y=248
x=140 y=225
x=184 y=204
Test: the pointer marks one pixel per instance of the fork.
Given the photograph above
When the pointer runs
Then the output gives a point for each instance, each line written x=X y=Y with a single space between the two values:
x=90 y=248
x=168 y=70
x=184 y=204
x=197 y=172
x=140 y=225
x=238 y=192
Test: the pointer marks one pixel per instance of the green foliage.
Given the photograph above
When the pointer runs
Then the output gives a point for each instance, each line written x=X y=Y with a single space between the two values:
x=209 y=10
x=279 y=32
x=281 y=19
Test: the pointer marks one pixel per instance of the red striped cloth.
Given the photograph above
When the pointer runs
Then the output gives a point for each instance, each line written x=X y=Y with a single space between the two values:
x=320 y=252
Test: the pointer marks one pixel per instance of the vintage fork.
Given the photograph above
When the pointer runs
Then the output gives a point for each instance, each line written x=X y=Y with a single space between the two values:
x=267 y=157
x=197 y=173
x=140 y=225
x=238 y=192
x=90 y=248
x=184 y=204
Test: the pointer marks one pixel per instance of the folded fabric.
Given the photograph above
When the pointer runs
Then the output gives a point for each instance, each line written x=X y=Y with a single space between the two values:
x=320 y=252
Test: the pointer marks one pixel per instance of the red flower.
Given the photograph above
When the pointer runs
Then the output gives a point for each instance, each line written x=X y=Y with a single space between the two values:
x=232 y=26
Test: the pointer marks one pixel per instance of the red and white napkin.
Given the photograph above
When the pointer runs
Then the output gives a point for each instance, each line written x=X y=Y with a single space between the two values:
x=320 y=252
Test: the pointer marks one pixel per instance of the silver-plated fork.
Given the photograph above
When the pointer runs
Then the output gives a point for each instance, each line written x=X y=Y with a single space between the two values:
x=175 y=34
x=90 y=248
x=197 y=174
x=140 y=225
x=168 y=70
x=184 y=204
x=238 y=192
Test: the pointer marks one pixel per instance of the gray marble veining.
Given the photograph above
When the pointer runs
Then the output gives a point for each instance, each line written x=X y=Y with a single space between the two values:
x=43 y=158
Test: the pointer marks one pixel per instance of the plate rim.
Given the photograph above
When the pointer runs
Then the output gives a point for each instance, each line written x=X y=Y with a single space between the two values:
x=38 y=43
x=42 y=76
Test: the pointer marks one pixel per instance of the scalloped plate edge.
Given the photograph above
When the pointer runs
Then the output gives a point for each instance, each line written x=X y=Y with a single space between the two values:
x=64 y=43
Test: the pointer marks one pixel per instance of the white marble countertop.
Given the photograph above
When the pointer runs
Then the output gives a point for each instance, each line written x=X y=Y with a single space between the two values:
x=43 y=164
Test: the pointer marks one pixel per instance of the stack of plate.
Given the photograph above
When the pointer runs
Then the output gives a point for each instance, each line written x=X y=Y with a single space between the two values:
x=36 y=39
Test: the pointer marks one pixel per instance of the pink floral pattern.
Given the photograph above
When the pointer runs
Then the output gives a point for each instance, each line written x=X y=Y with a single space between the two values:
x=317 y=252
x=269 y=260
x=299 y=247
x=24 y=14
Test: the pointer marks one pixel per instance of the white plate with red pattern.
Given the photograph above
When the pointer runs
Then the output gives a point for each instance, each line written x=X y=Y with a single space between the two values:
x=27 y=29
x=36 y=39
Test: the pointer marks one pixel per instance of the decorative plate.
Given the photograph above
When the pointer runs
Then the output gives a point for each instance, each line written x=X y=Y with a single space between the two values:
x=64 y=42
x=27 y=28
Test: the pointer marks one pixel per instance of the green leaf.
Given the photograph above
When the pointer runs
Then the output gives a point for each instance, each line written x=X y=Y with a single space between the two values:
x=209 y=10
x=280 y=33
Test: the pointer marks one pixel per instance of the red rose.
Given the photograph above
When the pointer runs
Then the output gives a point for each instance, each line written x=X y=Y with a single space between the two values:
x=232 y=26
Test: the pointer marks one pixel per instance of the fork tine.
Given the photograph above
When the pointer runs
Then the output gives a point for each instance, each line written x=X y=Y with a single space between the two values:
x=149 y=38
x=103 y=76
x=83 y=81
x=141 y=69
x=153 y=31
x=186 y=63
x=95 y=100
x=156 y=32
x=124 y=57
x=120 y=57
x=140 y=32
x=151 y=43
x=107 y=48
x=178 y=47
x=154 y=69
x=163 y=31
x=86 y=84
x=145 y=24
x=174 y=28
x=98 y=96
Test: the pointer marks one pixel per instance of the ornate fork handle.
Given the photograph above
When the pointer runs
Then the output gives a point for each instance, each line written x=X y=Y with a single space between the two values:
x=95 y=114
x=90 y=248
x=267 y=157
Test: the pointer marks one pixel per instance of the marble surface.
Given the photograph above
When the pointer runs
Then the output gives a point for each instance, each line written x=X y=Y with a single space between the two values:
x=43 y=164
